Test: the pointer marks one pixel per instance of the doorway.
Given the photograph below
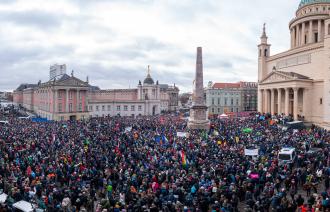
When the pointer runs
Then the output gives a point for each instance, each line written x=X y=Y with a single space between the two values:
x=73 y=118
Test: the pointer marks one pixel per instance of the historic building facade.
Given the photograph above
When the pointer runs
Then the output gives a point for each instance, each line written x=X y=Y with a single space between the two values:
x=297 y=82
x=66 y=97
x=231 y=97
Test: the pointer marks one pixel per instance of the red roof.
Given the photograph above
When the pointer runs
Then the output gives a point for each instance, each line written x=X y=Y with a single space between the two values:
x=226 y=85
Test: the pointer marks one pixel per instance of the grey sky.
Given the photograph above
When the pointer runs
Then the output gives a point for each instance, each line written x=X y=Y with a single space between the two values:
x=113 y=41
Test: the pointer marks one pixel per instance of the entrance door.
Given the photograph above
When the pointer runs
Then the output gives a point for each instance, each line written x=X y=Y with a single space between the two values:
x=154 y=110
x=73 y=118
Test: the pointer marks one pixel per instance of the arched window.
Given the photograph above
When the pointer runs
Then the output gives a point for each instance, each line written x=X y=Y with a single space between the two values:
x=266 y=52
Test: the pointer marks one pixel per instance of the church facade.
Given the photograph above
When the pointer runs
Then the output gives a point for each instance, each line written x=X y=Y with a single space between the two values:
x=297 y=82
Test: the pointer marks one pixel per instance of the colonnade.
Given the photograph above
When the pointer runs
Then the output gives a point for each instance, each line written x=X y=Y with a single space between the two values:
x=288 y=101
x=306 y=32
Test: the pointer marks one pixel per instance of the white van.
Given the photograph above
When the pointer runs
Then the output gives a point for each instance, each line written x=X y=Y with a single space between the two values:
x=287 y=155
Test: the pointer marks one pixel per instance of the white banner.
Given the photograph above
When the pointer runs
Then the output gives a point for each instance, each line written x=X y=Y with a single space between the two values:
x=128 y=129
x=181 y=134
x=251 y=152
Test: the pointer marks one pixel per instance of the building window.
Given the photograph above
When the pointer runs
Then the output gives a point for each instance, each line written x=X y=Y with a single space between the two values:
x=59 y=95
x=97 y=108
x=316 y=37
x=266 y=52
x=218 y=110
x=70 y=94
x=226 y=101
x=91 y=108
x=70 y=107
x=212 y=110
x=103 y=108
x=59 y=107
x=125 y=108
x=237 y=102
x=109 y=107
x=232 y=109
x=132 y=108
x=321 y=101
x=212 y=101
x=218 y=101
x=118 y=108
x=232 y=101
x=237 y=110
x=140 y=108
x=80 y=107
x=62 y=118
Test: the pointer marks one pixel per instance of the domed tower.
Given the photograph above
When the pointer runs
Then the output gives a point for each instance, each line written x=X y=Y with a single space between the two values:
x=148 y=90
x=309 y=24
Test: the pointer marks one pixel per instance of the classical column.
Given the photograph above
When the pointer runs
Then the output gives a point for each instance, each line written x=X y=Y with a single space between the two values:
x=267 y=101
x=306 y=104
x=302 y=41
x=55 y=101
x=310 y=32
x=67 y=101
x=260 y=100
x=77 y=101
x=319 y=29
x=272 y=101
x=279 y=100
x=298 y=35
x=295 y=103
x=286 y=101
x=292 y=38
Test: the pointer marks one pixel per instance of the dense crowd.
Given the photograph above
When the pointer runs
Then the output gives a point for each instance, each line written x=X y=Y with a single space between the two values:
x=127 y=164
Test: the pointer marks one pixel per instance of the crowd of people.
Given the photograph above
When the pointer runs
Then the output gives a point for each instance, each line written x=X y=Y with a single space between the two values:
x=141 y=164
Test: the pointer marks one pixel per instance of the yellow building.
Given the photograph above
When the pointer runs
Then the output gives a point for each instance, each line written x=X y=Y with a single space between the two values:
x=297 y=82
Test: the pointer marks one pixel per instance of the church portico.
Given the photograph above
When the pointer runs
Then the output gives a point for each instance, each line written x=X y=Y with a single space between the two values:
x=285 y=93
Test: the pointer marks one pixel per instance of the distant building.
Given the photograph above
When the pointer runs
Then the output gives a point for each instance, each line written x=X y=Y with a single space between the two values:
x=231 y=97
x=69 y=98
x=57 y=71
x=149 y=98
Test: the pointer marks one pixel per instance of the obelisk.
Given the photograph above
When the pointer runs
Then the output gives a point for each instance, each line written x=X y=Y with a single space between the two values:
x=198 y=111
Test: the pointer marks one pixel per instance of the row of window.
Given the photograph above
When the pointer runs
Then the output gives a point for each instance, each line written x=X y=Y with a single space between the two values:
x=221 y=110
x=220 y=93
x=118 y=108
x=231 y=101
x=60 y=108
x=62 y=95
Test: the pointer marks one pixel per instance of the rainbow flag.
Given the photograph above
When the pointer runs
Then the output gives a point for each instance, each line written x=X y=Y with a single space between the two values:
x=183 y=159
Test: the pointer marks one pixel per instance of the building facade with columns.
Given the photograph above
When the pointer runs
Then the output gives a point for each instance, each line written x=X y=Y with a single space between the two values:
x=69 y=98
x=297 y=82
x=149 y=98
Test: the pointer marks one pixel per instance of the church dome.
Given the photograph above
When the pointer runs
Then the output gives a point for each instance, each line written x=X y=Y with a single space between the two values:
x=148 y=80
x=306 y=2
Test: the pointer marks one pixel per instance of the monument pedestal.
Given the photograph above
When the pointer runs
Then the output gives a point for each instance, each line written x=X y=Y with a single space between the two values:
x=198 y=118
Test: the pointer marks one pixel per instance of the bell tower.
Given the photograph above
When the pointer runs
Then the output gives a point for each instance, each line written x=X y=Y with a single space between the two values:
x=263 y=52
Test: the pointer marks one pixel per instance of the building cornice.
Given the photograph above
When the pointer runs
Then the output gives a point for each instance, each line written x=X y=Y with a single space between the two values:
x=297 y=50
x=310 y=17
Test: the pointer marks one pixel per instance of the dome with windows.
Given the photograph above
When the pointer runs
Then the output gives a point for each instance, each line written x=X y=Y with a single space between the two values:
x=307 y=2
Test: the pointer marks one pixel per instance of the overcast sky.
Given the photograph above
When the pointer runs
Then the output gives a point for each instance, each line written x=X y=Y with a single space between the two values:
x=113 y=41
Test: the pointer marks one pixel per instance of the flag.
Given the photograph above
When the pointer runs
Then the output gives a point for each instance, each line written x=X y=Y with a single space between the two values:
x=183 y=159
x=237 y=139
x=164 y=139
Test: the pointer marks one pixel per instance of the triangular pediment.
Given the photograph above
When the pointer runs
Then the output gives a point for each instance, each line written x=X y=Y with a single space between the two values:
x=72 y=81
x=276 y=76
